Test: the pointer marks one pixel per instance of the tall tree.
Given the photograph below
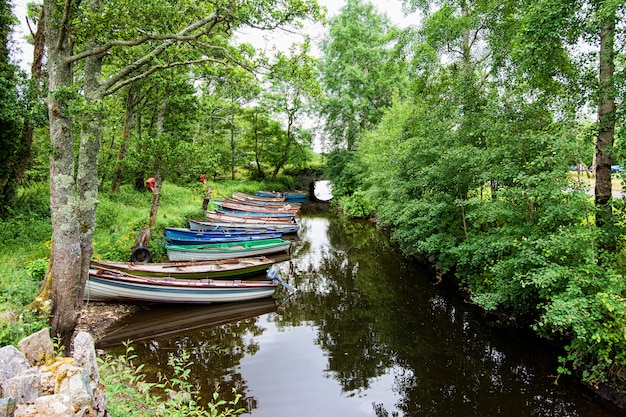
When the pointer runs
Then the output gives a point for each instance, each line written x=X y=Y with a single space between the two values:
x=547 y=53
x=87 y=33
x=361 y=70
x=293 y=87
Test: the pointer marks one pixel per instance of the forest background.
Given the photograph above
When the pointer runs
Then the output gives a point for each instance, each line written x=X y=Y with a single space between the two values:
x=458 y=133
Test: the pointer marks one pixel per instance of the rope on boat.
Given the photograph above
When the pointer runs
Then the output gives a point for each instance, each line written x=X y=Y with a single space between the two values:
x=272 y=274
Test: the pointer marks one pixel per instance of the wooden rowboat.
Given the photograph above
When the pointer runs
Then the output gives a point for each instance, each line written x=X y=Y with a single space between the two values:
x=183 y=236
x=243 y=218
x=218 y=269
x=231 y=250
x=289 y=196
x=255 y=211
x=295 y=197
x=253 y=197
x=264 y=205
x=269 y=194
x=114 y=286
x=210 y=225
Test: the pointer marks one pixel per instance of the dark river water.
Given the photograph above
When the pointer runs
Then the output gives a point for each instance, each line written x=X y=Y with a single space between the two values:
x=367 y=333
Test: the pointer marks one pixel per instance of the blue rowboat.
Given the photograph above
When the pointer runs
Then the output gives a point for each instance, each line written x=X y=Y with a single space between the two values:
x=254 y=197
x=229 y=250
x=288 y=196
x=269 y=194
x=114 y=286
x=211 y=225
x=293 y=197
x=182 y=236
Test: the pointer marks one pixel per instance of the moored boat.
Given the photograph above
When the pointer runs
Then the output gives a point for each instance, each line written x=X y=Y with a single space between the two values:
x=210 y=225
x=251 y=210
x=217 y=269
x=295 y=197
x=254 y=197
x=269 y=194
x=263 y=204
x=244 y=218
x=183 y=236
x=212 y=251
x=114 y=286
x=288 y=196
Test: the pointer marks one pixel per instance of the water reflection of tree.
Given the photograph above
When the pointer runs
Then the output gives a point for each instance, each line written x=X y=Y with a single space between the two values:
x=329 y=297
x=216 y=354
x=376 y=312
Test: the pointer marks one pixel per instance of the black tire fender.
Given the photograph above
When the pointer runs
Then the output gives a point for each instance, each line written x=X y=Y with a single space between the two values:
x=141 y=254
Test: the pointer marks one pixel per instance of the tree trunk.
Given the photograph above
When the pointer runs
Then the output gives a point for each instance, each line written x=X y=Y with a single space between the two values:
x=156 y=193
x=128 y=120
x=285 y=156
x=87 y=171
x=64 y=276
x=606 y=127
x=232 y=149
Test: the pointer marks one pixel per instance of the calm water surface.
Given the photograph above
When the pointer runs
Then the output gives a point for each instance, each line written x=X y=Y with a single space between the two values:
x=365 y=334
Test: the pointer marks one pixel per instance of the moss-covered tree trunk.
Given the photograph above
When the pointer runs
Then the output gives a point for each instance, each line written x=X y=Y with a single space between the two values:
x=606 y=129
x=64 y=277
x=128 y=121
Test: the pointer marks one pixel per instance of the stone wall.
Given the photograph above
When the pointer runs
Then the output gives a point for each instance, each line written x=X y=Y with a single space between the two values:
x=33 y=382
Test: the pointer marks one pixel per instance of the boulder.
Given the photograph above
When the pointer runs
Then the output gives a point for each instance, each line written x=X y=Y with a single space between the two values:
x=57 y=405
x=73 y=382
x=25 y=387
x=12 y=362
x=85 y=355
x=37 y=347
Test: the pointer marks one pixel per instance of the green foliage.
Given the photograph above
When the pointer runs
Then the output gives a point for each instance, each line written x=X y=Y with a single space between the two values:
x=15 y=326
x=361 y=70
x=344 y=172
x=357 y=205
x=128 y=392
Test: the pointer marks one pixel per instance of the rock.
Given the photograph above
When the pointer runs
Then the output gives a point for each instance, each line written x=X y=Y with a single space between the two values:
x=68 y=386
x=73 y=382
x=25 y=387
x=12 y=362
x=37 y=347
x=85 y=356
x=58 y=405
x=7 y=407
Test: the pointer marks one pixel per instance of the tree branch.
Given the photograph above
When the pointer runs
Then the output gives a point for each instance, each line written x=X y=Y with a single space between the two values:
x=63 y=25
x=126 y=71
x=152 y=70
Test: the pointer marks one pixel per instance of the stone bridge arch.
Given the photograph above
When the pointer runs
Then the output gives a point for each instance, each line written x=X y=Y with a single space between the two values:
x=307 y=179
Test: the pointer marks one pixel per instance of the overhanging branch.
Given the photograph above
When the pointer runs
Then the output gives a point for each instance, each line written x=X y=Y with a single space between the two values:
x=156 y=68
